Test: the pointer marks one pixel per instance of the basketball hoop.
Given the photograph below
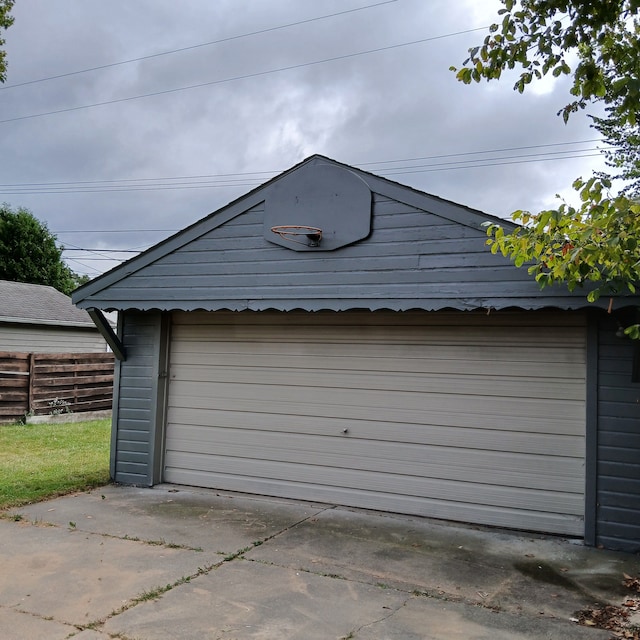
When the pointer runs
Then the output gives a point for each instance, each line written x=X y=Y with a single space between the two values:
x=296 y=233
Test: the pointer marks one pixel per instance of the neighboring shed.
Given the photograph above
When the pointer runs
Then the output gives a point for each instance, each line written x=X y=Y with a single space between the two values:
x=39 y=319
x=335 y=336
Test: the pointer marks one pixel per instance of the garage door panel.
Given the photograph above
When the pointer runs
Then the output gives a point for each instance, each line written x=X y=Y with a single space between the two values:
x=453 y=463
x=421 y=356
x=459 y=384
x=473 y=437
x=330 y=402
x=477 y=422
x=524 y=424
x=472 y=337
x=421 y=487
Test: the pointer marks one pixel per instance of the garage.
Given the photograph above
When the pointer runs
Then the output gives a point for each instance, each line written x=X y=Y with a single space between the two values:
x=334 y=336
x=463 y=417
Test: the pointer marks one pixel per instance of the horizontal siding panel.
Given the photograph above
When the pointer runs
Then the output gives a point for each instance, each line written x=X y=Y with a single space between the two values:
x=617 y=410
x=619 y=455
x=616 y=499
x=616 y=468
x=28 y=339
x=616 y=529
x=413 y=291
x=446 y=278
x=133 y=434
x=131 y=472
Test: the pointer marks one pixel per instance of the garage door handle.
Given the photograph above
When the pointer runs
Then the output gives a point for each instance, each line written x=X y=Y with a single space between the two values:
x=345 y=431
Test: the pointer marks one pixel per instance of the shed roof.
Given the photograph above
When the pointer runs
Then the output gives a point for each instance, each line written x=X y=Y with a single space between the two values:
x=38 y=304
x=416 y=251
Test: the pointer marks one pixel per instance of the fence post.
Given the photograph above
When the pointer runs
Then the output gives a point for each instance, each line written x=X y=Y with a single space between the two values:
x=32 y=368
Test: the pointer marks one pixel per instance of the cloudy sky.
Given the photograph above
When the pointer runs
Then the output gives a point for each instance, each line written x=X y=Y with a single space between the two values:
x=122 y=122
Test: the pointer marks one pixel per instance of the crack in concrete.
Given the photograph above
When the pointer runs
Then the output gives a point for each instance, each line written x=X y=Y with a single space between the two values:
x=392 y=612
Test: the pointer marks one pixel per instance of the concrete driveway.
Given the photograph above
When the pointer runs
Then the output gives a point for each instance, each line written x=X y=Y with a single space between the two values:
x=176 y=562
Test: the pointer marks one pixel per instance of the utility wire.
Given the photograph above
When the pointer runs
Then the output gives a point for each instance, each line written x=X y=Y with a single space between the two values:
x=471 y=153
x=229 y=176
x=196 y=46
x=246 y=76
x=389 y=171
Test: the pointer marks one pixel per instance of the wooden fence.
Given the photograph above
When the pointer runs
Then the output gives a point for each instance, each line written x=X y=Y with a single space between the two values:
x=54 y=383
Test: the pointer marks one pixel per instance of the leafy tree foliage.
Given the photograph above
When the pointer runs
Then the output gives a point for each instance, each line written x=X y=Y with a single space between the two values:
x=28 y=252
x=597 y=242
x=6 y=20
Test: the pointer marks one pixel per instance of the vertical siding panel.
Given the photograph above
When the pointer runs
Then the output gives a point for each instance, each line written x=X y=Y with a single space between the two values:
x=618 y=493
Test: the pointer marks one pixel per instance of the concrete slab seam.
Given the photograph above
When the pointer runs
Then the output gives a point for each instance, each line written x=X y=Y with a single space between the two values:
x=76 y=628
x=72 y=527
x=157 y=592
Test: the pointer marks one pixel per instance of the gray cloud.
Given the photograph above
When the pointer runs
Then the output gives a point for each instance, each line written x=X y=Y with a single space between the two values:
x=390 y=105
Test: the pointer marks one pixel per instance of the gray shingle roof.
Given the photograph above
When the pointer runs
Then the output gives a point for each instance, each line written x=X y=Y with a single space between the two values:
x=38 y=304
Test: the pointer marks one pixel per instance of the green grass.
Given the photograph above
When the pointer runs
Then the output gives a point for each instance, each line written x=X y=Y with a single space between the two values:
x=39 y=461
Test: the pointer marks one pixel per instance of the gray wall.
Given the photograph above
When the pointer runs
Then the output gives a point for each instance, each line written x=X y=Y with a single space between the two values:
x=618 y=447
x=136 y=398
x=26 y=338
x=414 y=258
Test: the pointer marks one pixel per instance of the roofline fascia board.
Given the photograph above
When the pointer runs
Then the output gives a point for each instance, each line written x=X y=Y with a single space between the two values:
x=51 y=323
x=108 y=333
x=561 y=301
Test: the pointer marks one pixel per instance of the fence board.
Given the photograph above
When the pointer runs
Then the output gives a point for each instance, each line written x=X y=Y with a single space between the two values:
x=54 y=383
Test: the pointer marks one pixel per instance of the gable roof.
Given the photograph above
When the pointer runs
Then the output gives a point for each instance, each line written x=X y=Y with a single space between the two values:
x=38 y=304
x=423 y=252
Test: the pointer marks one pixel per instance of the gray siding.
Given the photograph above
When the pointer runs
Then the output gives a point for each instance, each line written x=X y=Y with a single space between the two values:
x=618 y=482
x=49 y=339
x=412 y=259
x=136 y=398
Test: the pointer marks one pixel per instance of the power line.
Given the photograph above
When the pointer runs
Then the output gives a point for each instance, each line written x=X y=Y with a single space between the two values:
x=115 y=231
x=552 y=156
x=389 y=171
x=96 y=251
x=196 y=46
x=246 y=76
x=230 y=176
x=492 y=164
x=470 y=153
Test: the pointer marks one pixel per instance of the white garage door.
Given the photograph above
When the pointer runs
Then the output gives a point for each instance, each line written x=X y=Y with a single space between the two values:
x=462 y=416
